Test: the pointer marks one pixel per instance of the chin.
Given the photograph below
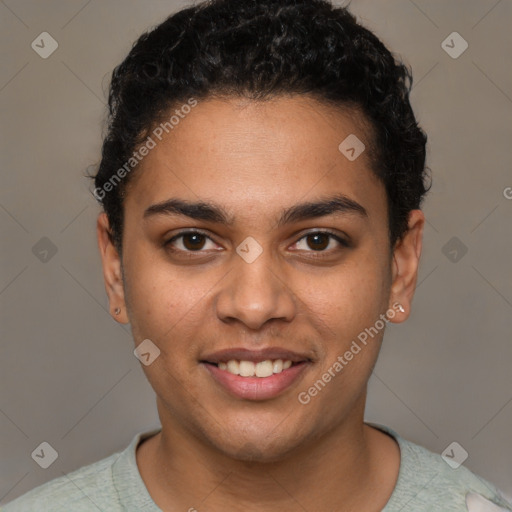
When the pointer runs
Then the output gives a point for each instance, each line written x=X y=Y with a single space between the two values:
x=258 y=450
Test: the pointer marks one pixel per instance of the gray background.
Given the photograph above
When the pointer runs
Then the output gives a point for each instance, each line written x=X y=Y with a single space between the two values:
x=68 y=373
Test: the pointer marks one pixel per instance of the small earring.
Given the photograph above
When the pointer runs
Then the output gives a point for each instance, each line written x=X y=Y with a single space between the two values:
x=117 y=311
x=401 y=308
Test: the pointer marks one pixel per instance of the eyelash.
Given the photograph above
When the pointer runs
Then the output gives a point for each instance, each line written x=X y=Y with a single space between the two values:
x=341 y=241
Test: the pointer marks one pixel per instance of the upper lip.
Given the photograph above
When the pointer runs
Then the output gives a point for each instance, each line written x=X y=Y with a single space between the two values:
x=255 y=356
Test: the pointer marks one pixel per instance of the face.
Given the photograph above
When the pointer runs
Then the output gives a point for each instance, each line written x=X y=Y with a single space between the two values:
x=225 y=258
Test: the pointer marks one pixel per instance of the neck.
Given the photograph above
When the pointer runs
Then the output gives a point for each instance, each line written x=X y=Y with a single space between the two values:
x=338 y=471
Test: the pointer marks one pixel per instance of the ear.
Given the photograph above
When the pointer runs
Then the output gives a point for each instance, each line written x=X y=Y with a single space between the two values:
x=406 y=259
x=112 y=273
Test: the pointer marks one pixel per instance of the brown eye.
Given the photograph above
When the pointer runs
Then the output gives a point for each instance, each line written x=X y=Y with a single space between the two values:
x=193 y=241
x=318 y=241
x=189 y=241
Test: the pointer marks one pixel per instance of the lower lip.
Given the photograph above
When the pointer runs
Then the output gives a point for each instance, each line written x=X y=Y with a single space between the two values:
x=257 y=388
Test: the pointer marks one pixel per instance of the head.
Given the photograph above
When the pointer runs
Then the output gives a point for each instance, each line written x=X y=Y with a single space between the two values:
x=281 y=132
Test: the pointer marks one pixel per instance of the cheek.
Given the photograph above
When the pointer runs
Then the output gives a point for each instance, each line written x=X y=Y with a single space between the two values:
x=351 y=299
x=155 y=298
x=166 y=303
x=348 y=308
x=348 y=305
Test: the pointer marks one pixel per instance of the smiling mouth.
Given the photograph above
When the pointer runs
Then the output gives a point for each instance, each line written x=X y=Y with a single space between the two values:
x=261 y=369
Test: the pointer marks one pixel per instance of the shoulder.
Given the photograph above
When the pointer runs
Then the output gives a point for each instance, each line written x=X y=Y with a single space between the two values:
x=446 y=485
x=88 y=488
x=427 y=482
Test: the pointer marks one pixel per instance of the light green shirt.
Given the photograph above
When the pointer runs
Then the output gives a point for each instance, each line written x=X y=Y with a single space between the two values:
x=425 y=483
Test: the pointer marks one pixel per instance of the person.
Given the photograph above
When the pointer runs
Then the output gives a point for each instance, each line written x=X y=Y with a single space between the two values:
x=261 y=185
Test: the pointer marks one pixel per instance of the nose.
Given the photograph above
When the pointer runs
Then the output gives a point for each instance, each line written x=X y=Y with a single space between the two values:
x=254 y=293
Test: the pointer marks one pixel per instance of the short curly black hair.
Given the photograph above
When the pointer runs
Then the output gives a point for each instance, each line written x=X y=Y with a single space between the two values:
x=261 y=49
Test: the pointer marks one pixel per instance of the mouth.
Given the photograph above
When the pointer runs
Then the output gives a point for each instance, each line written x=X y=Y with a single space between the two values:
x=255 y=375
x=262 y=369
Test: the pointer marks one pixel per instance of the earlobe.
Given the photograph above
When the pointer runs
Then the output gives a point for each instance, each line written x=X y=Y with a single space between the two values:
x=406 y=258
x=112 y=270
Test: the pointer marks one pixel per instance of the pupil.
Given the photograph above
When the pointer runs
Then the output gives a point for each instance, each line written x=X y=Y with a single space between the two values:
x=197 y=244
x=320 y=236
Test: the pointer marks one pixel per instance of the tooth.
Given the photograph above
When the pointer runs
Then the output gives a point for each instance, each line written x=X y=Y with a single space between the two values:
x=233 y=367
x=247 y=368
x=264 y=369
x=278 y=366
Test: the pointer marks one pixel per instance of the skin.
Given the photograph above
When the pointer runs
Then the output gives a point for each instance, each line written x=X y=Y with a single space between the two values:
x=216 y=451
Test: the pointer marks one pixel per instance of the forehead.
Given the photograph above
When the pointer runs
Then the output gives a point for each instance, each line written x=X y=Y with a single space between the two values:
x=254 y=158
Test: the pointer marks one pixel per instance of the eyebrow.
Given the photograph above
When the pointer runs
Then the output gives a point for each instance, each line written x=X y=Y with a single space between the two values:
x=207 y=211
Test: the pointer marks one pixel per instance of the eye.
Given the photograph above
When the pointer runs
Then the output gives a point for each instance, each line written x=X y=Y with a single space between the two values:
x=191 y=241
x=195 y=241
x=318 y=241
